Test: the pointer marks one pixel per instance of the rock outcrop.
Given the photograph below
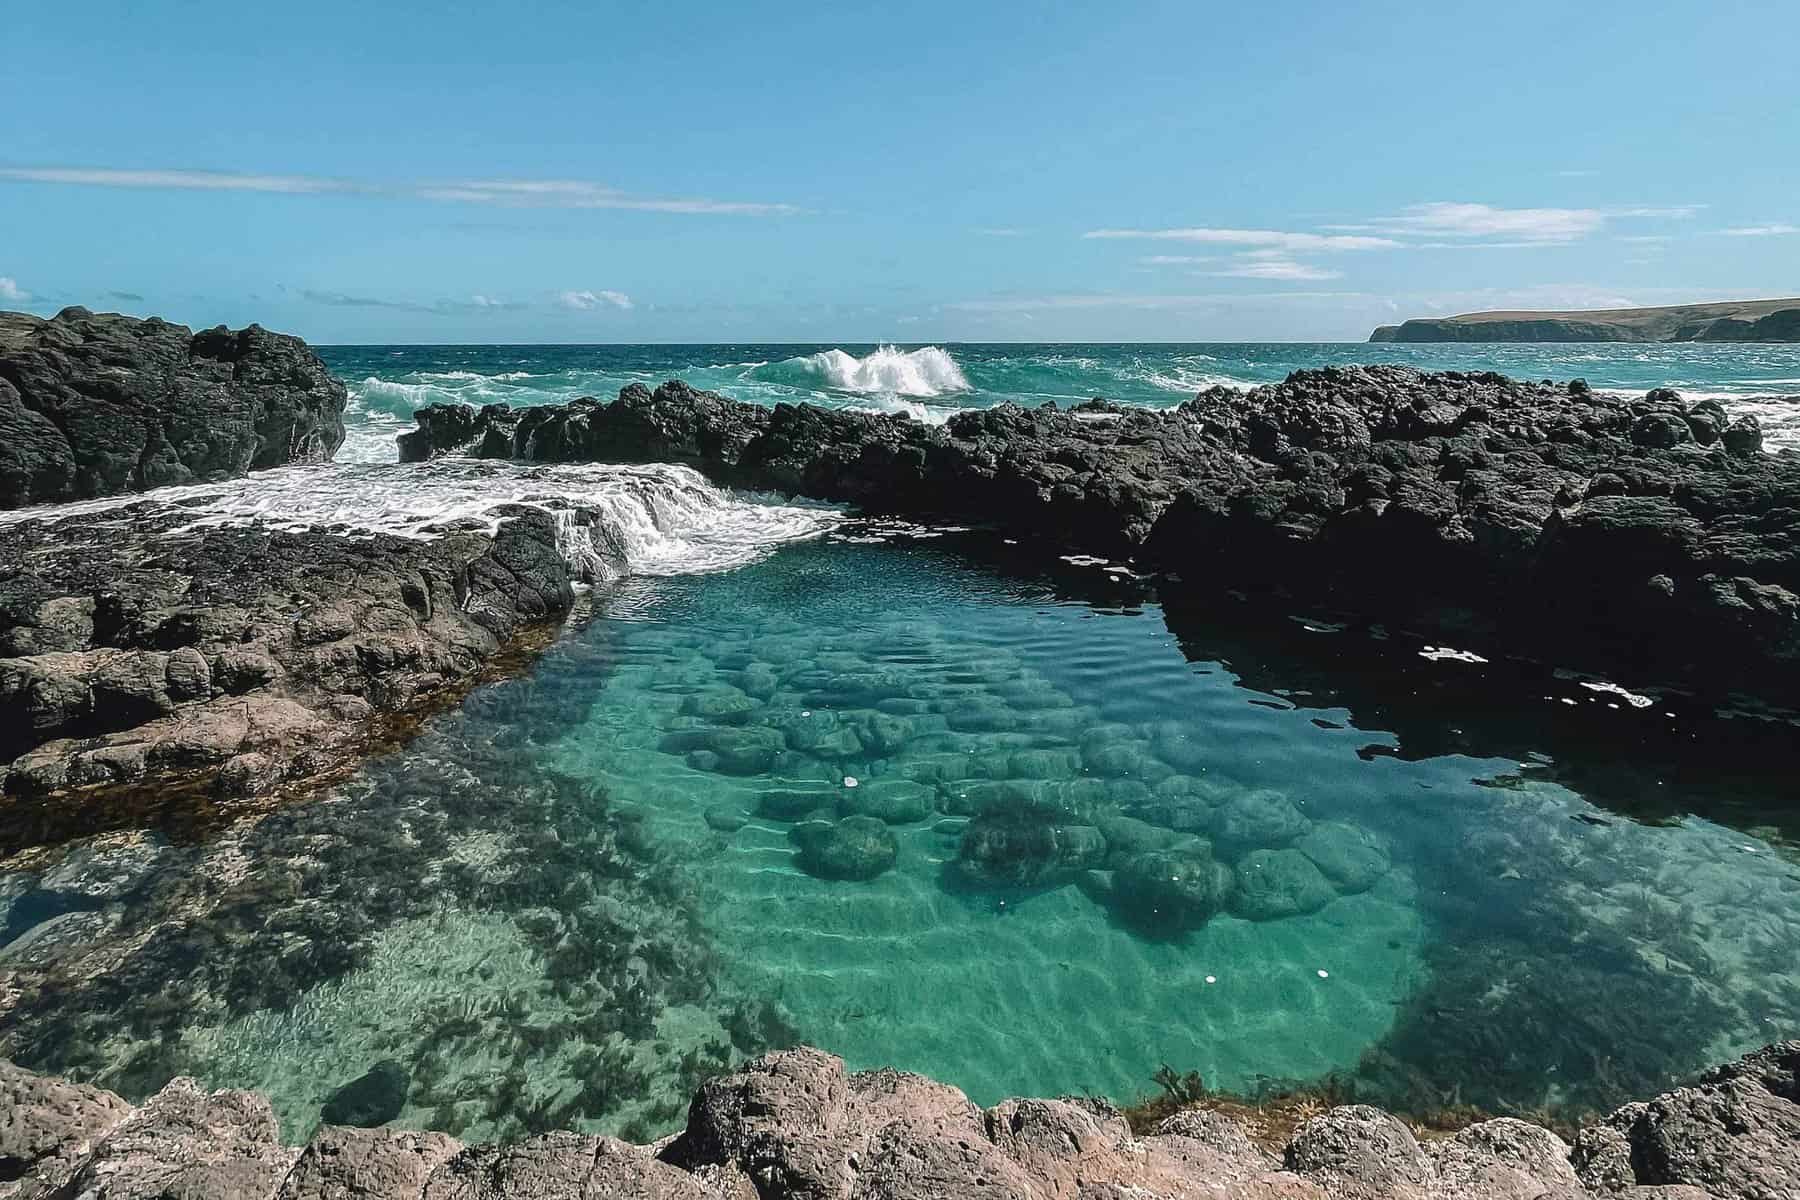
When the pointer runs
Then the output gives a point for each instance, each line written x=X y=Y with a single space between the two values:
x=1651 y=536
x=226 y=662
x=1726 y=321
x=96 y=404
x=795 y=1124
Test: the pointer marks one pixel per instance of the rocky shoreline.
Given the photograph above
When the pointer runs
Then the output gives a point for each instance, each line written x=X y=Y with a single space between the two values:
x=1651 y=537
x=795 y=1124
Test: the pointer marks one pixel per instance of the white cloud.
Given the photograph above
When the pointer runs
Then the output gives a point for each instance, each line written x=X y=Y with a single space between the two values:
x=587 y=301
x=534 y=193
x=999 y=231
x=1277 y=268
x=1178 y=260
x=1272 y=238
x=1445 y=219
x=10 y=290
x=1106 y=300
x=1776 y=230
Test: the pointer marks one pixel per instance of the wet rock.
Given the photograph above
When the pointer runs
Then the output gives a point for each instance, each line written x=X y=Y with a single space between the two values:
x=1351 y=857
x=751 y=751
x=724 y=818
x=790 y=804
x=891 y=801
x=1256 y=818
x=373 y=1098
x=1170 y=892
x=95 y=404
x=854 y=848
x=723 y=706
x=1027 y=845
x=1272 y=884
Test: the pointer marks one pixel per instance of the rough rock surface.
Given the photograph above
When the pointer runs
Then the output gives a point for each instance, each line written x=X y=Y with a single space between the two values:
x=94 y=404
x=236 y=659
x=1649 y=535
x=796 y=1125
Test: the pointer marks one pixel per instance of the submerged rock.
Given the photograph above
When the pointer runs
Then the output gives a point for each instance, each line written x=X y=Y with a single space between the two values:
x=891 y=801
x=1026 y=845
x=1272 y=884
x=1257 y=819
x=854 y=848
x=371 y=1099
x=1348 y=855
x=1171 y=892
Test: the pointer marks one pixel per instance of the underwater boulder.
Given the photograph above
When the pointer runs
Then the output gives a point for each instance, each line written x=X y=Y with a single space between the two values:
x=371 y=1099
x=752 y=751
x=759 y=680
x=1128 y=836
x=1256 y=819
x=1351 y=857
x=1122 y=760
x=1181 y=746
x=981 y=716
x=1172 y=891
x=890 y=801
x=1272 y=884
x=722 y=706
x=790 y=804
x=724 y=818
x=1027 y=845
x=882 y=735
x=1045 y=764
x=853 y=849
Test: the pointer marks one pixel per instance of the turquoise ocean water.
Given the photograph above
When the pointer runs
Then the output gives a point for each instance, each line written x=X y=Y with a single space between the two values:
x=908 y=796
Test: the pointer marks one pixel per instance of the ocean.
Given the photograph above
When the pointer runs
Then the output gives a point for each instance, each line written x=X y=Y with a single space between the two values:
x=387 y=383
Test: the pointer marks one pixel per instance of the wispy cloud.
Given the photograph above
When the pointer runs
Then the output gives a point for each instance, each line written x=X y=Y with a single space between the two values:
x=1777 y=230
x=1105 y=300
x=1578 y=173
x=1177 y=260
x=10 y=290
x=999 y=231
x=586 y=301
x=1520 y=226
x=1270 y=238
x=518 y=193
x=1277 y=268
x=474 y=304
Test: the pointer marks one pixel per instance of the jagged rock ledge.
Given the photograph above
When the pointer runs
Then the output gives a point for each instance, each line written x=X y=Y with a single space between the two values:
x=100 y=404
x=1651 y=536
x=795 y=1124
x=144 y=667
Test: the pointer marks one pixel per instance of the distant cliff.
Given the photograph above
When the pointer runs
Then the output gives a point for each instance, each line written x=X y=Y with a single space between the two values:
x=1726 y=321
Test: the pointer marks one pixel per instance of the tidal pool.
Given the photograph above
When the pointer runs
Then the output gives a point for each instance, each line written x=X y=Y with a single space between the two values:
x=887 y=794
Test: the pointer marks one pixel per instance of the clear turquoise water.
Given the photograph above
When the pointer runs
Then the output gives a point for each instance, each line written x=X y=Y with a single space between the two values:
x=572 y=898
x=1440 y=879
x=388 y=383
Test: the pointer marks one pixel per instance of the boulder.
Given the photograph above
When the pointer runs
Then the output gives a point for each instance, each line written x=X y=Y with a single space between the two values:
x=854 y=848
x=1174 y=891
x=94 y=404
x=1027 y=845
x=1272 y=884
x=1351 y=857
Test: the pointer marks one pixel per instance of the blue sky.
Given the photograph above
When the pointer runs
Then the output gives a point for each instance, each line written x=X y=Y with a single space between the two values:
x=571 y=172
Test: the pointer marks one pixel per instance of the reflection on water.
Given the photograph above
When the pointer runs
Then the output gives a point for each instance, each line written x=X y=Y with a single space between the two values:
x=902 y=802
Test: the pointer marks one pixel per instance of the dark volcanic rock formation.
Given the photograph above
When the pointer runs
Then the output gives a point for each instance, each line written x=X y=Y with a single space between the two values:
x=1650 y=534
x=797 y=1125
x=98 y=404
x=236 y=659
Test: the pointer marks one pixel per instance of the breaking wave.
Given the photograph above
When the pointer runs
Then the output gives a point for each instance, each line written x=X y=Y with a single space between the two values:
x=611 y=521
x=927 y=371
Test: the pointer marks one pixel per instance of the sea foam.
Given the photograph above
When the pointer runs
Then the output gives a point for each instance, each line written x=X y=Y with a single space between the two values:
x=927 y=371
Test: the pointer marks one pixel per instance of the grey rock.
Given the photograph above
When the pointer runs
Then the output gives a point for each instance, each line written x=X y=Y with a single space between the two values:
x=1358 y=1151
x=366 y=1164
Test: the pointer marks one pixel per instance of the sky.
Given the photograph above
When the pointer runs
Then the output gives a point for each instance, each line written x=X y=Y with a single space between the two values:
x=387 y=172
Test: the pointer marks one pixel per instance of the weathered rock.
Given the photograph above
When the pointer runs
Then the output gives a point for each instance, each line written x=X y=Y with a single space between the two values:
x=1542 y=510
x=1174 y=891
x=795 y=1124
x=1735 y=1134
x=1350 y=856
x=97 y=404
x=1027 y=845
x=236 y=660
